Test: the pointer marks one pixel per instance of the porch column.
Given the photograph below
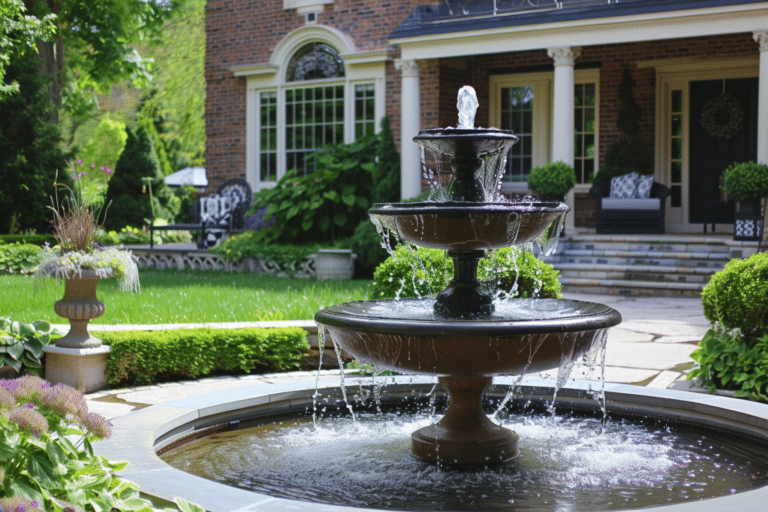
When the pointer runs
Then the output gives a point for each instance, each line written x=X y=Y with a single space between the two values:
x=562 y=115
x=761 y=36
x=410 y=124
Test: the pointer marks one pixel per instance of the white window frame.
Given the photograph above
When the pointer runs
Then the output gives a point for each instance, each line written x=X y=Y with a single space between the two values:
x=543 y=93
x=360 y=68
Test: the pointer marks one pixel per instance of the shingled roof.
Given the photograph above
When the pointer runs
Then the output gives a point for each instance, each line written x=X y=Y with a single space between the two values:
x=466 y=15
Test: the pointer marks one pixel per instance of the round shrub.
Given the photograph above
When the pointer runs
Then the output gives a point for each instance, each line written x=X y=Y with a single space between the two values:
x=412 y=272
x=515 y=273
x=416 y=272
x=746 y=180
x=552 y=181
x=737 y=296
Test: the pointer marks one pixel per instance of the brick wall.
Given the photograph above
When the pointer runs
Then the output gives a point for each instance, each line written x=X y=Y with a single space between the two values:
x=246 y=32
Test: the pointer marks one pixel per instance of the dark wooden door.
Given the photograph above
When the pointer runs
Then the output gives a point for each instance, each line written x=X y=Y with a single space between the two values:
x=712 y=154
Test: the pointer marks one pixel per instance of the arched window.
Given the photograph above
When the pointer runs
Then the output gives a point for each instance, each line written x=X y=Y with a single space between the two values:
x=315 y=60
x=316 y=90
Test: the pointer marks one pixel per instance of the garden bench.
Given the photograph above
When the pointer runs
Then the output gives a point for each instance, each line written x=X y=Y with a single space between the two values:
x=630 y=215
x=216 y=214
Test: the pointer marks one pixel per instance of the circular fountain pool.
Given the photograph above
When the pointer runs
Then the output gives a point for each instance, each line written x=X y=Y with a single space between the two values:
x=139 y=435
x=566 y=463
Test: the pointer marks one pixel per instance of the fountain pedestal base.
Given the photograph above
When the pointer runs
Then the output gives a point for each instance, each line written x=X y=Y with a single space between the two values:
x=465 y=436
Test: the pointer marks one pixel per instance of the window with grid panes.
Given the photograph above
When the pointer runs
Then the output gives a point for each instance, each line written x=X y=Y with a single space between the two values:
x=365 y=110
x=584 y=131
x=314 y=117
x=517 y=115
x=268 y=137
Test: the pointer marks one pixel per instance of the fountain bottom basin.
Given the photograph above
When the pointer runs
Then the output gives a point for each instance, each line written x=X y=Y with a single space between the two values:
x=137 y=436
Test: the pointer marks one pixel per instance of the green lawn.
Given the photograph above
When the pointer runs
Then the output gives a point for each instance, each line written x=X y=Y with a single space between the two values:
x=174 y=296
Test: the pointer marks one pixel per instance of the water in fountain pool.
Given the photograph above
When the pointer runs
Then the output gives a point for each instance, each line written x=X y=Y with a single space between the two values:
x=566 y=463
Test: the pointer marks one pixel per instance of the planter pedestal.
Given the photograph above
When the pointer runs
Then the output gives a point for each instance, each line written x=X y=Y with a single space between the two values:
x=81 y=368
x=80 y=306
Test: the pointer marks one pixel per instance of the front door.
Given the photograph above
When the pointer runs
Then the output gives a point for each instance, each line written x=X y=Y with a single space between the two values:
x=723 y=130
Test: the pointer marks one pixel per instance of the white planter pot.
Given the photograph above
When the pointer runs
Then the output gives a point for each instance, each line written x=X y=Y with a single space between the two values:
x=334 y=264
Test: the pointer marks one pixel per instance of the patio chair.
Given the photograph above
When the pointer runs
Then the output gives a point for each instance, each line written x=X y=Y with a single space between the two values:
x=214 y=215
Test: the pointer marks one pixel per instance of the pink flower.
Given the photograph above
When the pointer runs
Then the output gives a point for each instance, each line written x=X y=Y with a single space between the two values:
x=82 y=173
x=98 y=425
x=64 y=400
x=79 y=161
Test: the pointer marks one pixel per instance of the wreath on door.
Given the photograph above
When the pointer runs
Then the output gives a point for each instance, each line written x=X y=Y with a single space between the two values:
x=722 y=116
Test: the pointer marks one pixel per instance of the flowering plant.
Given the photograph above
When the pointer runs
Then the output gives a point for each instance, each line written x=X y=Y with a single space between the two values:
x=75 y=225
x=46 y=458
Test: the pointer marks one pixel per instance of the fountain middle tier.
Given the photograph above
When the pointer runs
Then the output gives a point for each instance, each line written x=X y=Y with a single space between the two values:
x=457 y=225
x=405 y=336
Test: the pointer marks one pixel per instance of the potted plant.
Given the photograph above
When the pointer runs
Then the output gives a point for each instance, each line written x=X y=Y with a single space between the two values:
x=747 y=184
x=553 y=181
x=81 y=262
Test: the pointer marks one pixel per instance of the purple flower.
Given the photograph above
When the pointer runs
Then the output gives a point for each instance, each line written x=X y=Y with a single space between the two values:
x=7 y=401
x=79 y=161
x=82 y=173
x=28 y=388
x=64 y=400
x=29 y=420
x=93 y=166
x=98 y=425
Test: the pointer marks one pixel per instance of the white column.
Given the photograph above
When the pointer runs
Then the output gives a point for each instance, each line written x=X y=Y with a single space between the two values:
x=562 y=115
x=761 y=36
x=410 y=124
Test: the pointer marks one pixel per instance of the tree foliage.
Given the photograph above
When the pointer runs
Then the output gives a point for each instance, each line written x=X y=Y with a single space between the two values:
x=19 y=32
x=29 y=150
x=127 y=205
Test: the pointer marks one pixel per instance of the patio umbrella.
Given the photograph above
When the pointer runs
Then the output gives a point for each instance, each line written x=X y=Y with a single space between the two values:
x=194 y=176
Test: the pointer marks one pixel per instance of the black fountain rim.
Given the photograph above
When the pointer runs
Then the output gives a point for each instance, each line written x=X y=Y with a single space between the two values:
x=592 y=316
x=468 y=207
x=465 y=133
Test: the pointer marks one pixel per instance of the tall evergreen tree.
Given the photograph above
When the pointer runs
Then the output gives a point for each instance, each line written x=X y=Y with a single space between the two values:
x=386 y=174
x=127 y=204
x=30 y=153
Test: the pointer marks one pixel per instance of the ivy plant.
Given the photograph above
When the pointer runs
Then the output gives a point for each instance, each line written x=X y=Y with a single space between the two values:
x=21 y=344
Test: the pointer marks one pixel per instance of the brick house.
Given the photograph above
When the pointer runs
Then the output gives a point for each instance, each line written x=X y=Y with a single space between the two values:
x=287 y=76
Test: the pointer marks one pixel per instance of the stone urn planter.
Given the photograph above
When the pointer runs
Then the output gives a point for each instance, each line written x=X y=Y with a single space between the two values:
x=80 y=306
x=334 y=264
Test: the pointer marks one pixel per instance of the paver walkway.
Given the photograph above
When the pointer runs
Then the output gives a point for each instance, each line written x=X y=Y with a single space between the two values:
x=651 y=347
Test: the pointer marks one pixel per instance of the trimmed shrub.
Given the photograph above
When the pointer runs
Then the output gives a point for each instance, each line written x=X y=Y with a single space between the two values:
x=515 y=273
x=552 y=181
x=146 y=357
x=417 y=272
x=746 y=180
x=412 y=272
x=39 y=240
x=19 y=258
x=737 y=296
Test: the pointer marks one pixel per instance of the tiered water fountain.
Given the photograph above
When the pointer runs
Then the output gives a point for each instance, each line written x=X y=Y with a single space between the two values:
x=461 y=335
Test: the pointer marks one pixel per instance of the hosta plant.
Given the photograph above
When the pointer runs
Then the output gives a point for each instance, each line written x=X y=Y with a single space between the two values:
x=21 y=344
x=47 y=461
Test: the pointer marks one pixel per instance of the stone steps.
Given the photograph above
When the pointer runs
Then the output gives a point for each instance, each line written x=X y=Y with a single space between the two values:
x=641 y=265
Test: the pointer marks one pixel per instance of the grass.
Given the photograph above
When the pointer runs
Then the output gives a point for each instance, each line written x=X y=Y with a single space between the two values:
x=188 y=296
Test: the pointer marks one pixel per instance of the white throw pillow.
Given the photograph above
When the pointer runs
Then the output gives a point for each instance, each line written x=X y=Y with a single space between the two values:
x=624 y=187
x=644 y=184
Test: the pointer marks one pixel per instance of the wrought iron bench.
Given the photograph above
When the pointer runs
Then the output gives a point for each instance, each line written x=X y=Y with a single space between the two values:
x=630 y=216
x=214 y=215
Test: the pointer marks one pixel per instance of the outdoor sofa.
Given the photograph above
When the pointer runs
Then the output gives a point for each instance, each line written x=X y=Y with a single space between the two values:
x=630 y=212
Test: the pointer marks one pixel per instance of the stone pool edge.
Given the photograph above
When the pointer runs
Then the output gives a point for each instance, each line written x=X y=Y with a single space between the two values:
x=138 y=435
